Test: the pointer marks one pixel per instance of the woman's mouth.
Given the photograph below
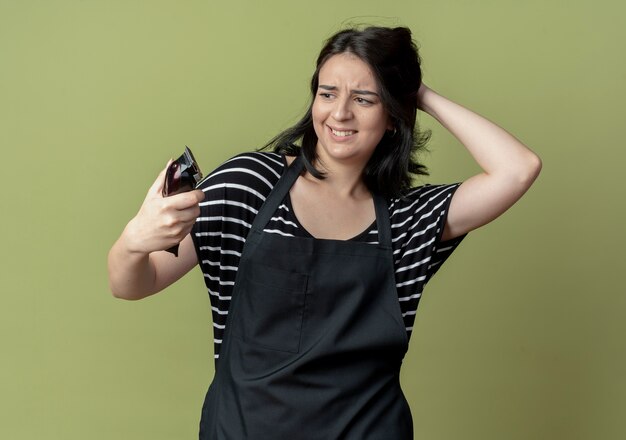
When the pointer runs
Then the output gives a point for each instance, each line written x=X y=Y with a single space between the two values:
x=342 y=133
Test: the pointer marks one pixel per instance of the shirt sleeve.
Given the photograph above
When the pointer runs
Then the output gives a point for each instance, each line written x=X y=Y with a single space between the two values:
x=418 y=221
x=443 y=249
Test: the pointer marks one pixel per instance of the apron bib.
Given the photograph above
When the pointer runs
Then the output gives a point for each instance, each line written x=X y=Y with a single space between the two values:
x=314 y=339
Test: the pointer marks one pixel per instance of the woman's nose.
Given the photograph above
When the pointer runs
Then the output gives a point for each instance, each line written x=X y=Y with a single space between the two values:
x=342 y=110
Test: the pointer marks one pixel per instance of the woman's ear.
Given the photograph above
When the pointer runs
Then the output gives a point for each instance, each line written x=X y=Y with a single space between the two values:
x=391 y=126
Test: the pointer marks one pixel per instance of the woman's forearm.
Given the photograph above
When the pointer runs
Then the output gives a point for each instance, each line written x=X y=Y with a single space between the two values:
x=131 y=274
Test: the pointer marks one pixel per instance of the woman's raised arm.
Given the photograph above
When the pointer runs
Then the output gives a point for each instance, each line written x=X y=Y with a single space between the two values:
x=509 y=167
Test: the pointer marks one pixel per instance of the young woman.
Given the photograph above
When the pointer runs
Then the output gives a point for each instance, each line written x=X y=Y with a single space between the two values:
x=315 y=255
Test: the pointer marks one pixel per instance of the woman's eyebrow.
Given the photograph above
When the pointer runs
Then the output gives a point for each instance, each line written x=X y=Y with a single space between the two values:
x=355 y=91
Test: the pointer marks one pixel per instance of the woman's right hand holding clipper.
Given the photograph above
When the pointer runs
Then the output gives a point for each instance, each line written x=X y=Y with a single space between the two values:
x=162 y=222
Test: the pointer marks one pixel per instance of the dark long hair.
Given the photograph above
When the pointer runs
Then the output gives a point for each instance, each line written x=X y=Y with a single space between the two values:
x=393 y=57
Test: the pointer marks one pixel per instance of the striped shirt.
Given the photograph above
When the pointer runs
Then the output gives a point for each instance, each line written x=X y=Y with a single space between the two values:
x=235 y=192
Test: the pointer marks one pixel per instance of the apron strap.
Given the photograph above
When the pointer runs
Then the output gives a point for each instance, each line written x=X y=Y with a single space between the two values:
x=277 y=195
x=284 y=184
x=382 y=221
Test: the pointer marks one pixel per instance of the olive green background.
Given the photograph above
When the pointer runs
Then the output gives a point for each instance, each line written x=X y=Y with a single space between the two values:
x=519 y=336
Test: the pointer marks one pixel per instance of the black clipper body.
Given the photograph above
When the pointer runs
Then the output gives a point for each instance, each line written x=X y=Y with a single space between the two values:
x=182 y=175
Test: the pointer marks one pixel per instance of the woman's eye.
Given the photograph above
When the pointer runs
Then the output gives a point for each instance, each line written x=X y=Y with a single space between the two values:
x=362 y=101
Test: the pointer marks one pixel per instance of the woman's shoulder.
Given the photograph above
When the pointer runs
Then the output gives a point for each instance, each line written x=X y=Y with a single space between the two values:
x=252 y=169
x=421 y=207
x=261 y=161
x=417 y=222
x=422 y=195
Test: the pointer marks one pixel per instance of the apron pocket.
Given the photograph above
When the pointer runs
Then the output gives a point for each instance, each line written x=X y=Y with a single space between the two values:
x=271 y=308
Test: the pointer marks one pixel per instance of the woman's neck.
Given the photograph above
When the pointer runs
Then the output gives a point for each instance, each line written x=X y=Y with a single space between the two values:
x=344 y=181
x=342 y=177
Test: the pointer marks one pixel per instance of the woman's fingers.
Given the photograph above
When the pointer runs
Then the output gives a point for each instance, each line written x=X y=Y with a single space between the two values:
x=185 y=200
x=175 y=227
x=172 y=218
x=177 y=214
x=163 y=221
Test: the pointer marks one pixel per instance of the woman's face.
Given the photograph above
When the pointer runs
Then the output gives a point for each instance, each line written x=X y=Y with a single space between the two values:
x=348 y=115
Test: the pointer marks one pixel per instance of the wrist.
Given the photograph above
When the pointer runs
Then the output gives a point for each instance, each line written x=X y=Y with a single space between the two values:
x=130 y=243
x=425 y=96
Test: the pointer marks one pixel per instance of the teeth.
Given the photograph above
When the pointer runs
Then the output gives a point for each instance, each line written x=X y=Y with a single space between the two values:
x=342 y=133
